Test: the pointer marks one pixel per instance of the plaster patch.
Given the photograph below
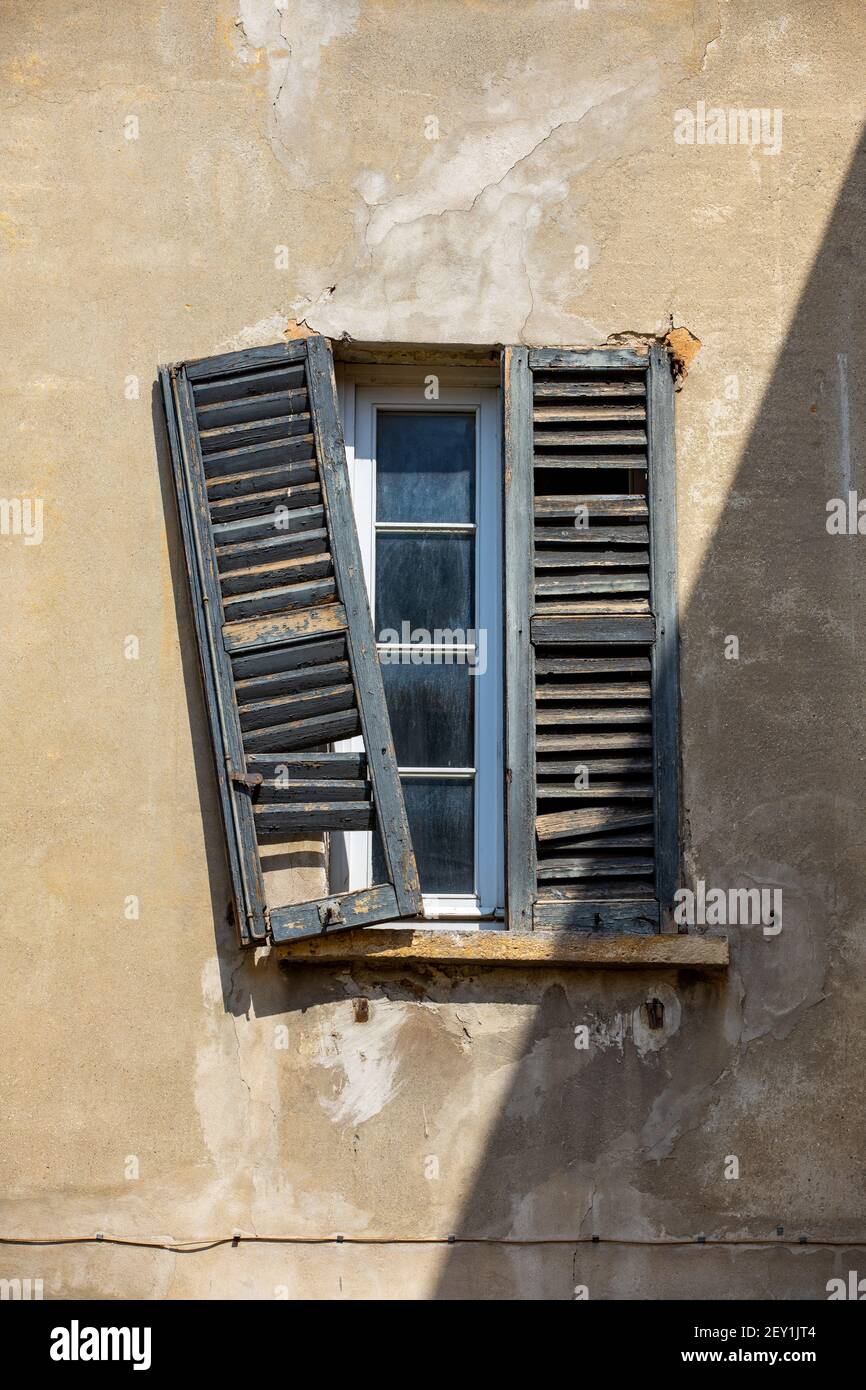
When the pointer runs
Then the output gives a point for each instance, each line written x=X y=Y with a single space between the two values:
x=364 y=1063
x=649 y=1039
x=292 y=40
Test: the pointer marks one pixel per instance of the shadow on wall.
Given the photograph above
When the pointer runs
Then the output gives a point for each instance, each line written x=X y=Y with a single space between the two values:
x=627 y=1136
x=774 y=789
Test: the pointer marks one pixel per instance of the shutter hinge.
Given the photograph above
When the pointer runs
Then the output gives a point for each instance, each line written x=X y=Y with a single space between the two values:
x=250 y=781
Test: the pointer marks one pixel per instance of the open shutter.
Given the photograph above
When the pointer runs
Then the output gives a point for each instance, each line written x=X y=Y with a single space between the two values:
x=284 y=633
x=592 y=762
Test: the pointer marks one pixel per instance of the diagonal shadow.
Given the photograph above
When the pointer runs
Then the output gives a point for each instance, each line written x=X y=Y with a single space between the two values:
x=612 y=1140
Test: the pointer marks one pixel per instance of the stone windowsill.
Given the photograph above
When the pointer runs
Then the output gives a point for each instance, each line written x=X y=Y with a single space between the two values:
x=511 y=948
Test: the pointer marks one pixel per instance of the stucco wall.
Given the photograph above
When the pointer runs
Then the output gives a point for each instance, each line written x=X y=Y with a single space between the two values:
x=247 y=1093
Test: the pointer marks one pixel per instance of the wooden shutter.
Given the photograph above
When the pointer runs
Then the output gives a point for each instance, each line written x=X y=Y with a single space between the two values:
x=592 y=761
x=284 y=633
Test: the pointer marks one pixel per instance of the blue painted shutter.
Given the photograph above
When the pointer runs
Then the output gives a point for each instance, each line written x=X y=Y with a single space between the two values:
x=592 y=764
x=284 y=633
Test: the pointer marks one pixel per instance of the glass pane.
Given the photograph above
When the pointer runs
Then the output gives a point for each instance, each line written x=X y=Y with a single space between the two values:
x=425 y=466
x=431 y=710
x=424 y=581
x=441 y=822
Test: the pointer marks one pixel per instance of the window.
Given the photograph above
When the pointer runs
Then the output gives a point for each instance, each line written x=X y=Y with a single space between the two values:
x=452 y=647
x=426 y=484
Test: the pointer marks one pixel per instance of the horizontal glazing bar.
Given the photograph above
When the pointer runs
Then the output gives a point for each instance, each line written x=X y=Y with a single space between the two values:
x=464 y=772
x=425 y=526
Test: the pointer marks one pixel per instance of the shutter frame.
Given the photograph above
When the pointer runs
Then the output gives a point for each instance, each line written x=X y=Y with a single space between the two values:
x=665 y=680
x=529 y=624
x=520 y=860
x=288 y=630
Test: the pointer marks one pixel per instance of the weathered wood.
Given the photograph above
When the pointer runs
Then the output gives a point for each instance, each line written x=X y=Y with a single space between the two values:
x=545 y=414
x=289 y=682
x=594 y=790
x=309 y=765
x=587 y=559
x=610 y=606
x=251 y=457
x=593 y=504
x=238 y=824
x=588 y=390
x=594 y=690
x=595 y=630
x=249 y=408
x=304 y=733
x=253 y=384
x=589 y=714
x=638 y=915
x=614 y=605
x=561 y=824
x=378 y=740
x=665 y=656
x=608 y=359
x=255 y=360
x=280 y=549
x=619 y=839
x=282 y=524
x=327 y=919
x=591 y=535
x=255 y=504
x=593 y=892
x=561 y=586
x=248 y=634
x=520 y=679
x=589 y=665
x=274 y=574
x=279 y=600
x=285 y=709
x=497 y=948
x=577 y=741
x=630 y=439
x=629 y=763
x=311 y=817
x=593 y=866
x=315 y=790
x=274 y=547
x=257 y=480
x=224 y=438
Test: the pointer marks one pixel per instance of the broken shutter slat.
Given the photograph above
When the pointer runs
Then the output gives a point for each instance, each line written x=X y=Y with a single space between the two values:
x=593 y=830
x=283 y=626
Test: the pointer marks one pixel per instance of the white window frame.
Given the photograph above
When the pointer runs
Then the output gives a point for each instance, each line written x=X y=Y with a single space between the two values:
x=363 y=393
